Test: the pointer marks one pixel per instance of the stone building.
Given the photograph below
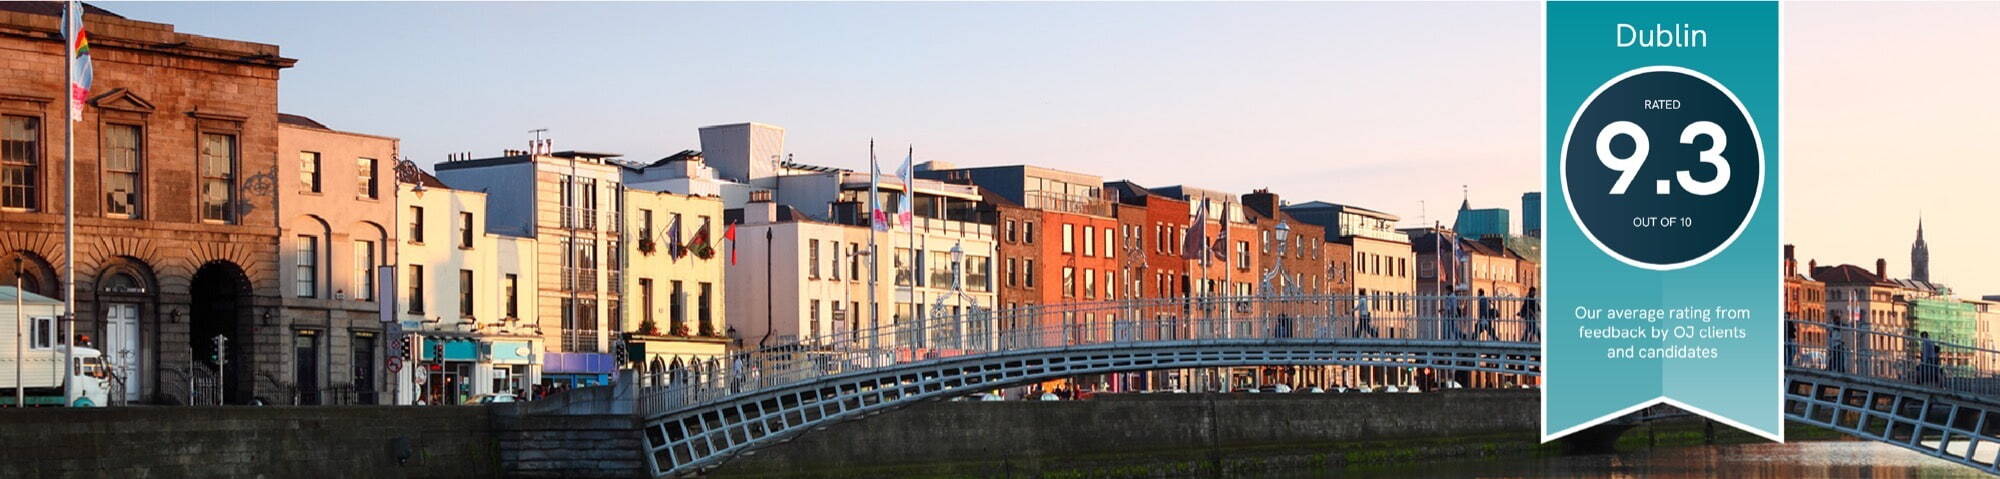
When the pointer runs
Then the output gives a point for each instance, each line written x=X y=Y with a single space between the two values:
x=176 y=199
x=1864 y=300
x=337 y=211
x=665 y=280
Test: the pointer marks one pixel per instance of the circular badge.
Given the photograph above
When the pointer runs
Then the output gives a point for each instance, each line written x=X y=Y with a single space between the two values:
x=1662 y=167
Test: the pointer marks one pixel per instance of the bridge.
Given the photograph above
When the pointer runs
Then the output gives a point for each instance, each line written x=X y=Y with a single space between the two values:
x=1879 y=386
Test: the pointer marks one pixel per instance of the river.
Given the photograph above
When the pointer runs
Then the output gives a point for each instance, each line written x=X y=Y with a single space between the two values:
x=1798 y=459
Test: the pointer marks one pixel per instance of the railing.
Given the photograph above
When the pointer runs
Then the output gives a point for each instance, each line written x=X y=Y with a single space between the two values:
x=1895 y=357
x=579 y=340
x=1095 y=324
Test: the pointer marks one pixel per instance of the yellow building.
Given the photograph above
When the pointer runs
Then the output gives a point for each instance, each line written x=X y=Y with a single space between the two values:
x=674 y=309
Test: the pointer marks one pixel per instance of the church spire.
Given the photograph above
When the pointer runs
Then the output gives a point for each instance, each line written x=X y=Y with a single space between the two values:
x=1920 y=255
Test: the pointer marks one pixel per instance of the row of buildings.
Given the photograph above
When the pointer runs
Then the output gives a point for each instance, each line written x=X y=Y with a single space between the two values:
x=227 y=252
x=1871 y=300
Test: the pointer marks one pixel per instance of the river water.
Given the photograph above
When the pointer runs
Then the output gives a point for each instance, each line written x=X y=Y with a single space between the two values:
x=1798 y=459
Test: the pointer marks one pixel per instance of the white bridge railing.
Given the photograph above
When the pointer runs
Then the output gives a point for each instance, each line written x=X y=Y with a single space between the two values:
x=1094 y=324
x=1893 y=356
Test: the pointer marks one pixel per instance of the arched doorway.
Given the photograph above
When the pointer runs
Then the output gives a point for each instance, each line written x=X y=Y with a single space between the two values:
x=126 y=302
x=219 y=307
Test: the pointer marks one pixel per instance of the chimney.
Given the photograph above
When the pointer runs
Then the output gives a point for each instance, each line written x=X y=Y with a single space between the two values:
x=1881 y=268
x=1811 y=265
x=1791 y=264
x=1262 y=201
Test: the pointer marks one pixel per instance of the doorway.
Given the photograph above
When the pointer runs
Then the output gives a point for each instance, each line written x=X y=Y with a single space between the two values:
x=122 y=347
x=215 y=330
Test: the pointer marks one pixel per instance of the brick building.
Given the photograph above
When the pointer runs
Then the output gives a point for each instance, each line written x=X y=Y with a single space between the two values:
x=1805 y=300
x=176 y=197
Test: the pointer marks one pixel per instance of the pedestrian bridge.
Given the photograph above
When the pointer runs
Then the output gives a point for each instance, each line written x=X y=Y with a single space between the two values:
x=697 y=416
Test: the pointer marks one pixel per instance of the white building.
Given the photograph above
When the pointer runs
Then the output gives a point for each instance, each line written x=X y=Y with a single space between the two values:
x=462 y=291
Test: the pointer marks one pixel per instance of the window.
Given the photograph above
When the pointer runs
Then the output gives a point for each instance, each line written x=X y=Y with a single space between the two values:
x=903 y=266
x=812 y=319
x=812 y=259
x=465 y=230
x=1028 y=273
x=1069 y=282
x=305 y=276
x=977 y=272
x=676 y=307
x=218 y=177
x=1264 y=241
x=1012 y=236
x=364 y=270
x=364 y=179
x=833 y=263
x=705 y=311
x=465 y=293
x=854 y=261
x=1028 y=232
x=513 y=296
x=1090 y=283
x=1068 y=238
x=646 y=301
x=1012 y=280
x=123 y=156
x=1109 y=250
x=1243 y=255
x=939 y=264
x=417 y=224
x=309 y=171
x=616 y=310
x=1110 y=284
x=416 y=289
x=645 y=223
x=42 y=334
x=20 y=161
x=1090 y=241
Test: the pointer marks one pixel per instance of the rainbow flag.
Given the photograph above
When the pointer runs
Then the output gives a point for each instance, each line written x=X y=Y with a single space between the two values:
x=80 y=71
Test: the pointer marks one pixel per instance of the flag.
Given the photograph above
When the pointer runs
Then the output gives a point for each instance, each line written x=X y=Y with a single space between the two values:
x=1220 y=250
x=904 y=216
x=672 y=239
x=79 y=48
x=699 y=245
x=730 y=234
x=877 y=218
x=1197 y=235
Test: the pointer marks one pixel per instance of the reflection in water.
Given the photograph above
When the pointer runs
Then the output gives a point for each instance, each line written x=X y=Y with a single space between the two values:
x=1799 y=459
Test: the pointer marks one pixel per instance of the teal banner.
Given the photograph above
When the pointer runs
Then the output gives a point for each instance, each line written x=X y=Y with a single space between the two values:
x=1662 y=240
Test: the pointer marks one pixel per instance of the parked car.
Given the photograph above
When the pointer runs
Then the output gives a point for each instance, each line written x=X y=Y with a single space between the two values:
x=1049 y=397
x=492 y=399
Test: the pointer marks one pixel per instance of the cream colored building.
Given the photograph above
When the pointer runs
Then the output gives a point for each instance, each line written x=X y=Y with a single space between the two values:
x=336 y=208
x=674 y=303
x=462 y=291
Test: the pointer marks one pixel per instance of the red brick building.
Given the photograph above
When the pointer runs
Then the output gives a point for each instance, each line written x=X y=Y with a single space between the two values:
x=177 y=226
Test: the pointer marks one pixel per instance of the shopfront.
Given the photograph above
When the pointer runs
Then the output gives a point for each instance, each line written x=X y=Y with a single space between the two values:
x=575 y=370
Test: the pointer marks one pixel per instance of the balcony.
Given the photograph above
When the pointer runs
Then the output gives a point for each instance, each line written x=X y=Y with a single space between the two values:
x=579 y=279
x=579 y=218
x=580 y=341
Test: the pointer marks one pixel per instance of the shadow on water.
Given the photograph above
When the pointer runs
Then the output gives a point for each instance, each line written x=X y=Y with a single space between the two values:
x=1798 y=459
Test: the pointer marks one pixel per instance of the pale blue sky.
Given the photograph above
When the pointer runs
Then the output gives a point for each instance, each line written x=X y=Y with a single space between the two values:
x=1382 y=105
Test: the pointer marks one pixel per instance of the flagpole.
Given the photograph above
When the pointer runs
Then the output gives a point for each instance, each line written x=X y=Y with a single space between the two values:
x=909 y=201
x=75 y=23
x=874 y=257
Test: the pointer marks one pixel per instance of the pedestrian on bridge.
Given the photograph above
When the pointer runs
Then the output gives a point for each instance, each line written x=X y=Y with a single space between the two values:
x=1928 y=370
x=1363 y=320
x=1836 y=352
x=1485 y=323
x=1531 y=316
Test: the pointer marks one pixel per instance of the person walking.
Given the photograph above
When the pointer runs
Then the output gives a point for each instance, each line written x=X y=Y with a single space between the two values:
x=1485 y=322
x=1363 y=320
x=1531 y=316
x=1928 y=370
x=1836 y=351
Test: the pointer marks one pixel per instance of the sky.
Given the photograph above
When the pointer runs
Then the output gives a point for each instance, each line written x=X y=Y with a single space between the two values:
x=1398 y=107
